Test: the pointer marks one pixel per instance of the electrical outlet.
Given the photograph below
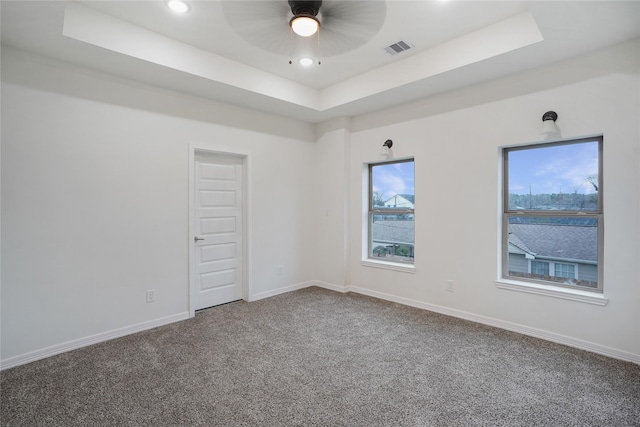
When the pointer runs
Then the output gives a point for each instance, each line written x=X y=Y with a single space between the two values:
x=151 y=295
x=450 y=285
x=280 y=270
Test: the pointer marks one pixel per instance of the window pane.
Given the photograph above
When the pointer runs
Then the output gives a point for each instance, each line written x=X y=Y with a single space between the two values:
x=570 y=243
x=392 y=236
x=392 y=185
x=539 y=268
x=565 y=270
x=554 y=177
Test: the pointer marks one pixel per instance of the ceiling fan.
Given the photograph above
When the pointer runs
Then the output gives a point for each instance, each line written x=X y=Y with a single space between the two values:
x=305 y=22
x=344 y=25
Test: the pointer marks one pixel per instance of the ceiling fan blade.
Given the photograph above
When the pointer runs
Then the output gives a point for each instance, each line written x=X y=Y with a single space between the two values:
x=344 y=24
x=347 y=25
x=262 y=23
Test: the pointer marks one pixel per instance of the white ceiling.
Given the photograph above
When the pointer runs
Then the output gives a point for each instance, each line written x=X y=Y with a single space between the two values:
x=210 y=53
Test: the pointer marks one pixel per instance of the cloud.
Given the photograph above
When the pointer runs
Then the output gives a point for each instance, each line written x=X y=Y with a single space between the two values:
x=556 y=169
x=517 y=188
x=389 y=184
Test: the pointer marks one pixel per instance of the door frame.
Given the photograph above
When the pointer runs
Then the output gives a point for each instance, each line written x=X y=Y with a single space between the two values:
x=245 y=156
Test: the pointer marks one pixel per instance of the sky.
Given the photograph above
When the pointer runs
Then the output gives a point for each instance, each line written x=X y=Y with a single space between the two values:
x=553 y=169
x=549 y=170
x=394 y=178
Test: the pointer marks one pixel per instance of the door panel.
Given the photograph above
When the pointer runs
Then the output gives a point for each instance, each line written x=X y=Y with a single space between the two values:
x=212 y=226
x=218 y=279
x=219 y=252
x=218 y=199
x=218 y=231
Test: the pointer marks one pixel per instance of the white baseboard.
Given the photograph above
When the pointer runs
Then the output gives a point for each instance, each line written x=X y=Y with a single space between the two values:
x=522 y=329
x=330 y=286
x=297 y=286
x=509 y=326
x=282 y=290
x=86 y=341
x=127 y=330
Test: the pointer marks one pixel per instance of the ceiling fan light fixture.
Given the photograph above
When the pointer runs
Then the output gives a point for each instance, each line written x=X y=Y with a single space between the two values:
x=304 y=25
x=178 y=6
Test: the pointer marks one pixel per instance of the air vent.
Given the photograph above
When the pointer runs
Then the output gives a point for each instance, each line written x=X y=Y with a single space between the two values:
x=398 y=47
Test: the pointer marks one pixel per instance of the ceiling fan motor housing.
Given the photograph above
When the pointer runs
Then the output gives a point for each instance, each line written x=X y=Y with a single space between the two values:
x=305 y=7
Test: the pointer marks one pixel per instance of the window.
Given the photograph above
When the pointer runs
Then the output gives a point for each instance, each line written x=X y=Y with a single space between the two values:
x=391 y=211
x=539 y=268
x=544 y=269
x=564 y=270
x=552 y=218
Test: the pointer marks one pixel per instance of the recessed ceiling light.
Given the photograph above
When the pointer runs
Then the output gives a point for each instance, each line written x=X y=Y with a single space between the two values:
x=305 y=61
x=178 y=6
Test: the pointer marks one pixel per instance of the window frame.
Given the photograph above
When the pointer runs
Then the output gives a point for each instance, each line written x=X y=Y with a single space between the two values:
x=597 y=214
x=371 y=211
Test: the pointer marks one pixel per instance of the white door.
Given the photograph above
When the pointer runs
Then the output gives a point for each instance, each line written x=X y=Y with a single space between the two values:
x=217 y=264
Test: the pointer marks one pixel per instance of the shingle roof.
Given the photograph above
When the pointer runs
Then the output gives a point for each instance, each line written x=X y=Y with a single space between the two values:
x=557 y=241
x=543 y=240
x=393 y=231
x=515 y=241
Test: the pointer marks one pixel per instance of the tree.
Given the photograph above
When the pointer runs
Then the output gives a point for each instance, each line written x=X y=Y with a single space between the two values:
x=377 y=199
x=593 y=180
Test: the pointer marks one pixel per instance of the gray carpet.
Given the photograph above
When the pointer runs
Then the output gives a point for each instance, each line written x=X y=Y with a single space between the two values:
x=318 y=358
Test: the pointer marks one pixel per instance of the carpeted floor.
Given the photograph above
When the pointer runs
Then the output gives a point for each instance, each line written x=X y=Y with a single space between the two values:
x=319 y=358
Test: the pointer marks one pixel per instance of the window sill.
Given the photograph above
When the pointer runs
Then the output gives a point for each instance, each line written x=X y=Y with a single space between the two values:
x=386 y=265
x=553 y=291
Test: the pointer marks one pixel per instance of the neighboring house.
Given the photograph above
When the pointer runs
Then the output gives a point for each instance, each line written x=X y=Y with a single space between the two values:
x=400 y=201
x=393 y=237
x=560 y=253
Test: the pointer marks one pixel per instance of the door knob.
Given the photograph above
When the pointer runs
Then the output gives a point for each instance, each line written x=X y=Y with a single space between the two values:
x=196 y=238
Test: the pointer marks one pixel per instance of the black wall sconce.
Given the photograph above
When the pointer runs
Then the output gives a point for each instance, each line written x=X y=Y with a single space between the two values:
x=549 y=126
x=386 y=148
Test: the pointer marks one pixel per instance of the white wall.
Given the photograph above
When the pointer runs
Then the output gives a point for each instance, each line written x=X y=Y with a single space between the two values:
x=455 y=139
x=95 y=200
x=331 y=196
